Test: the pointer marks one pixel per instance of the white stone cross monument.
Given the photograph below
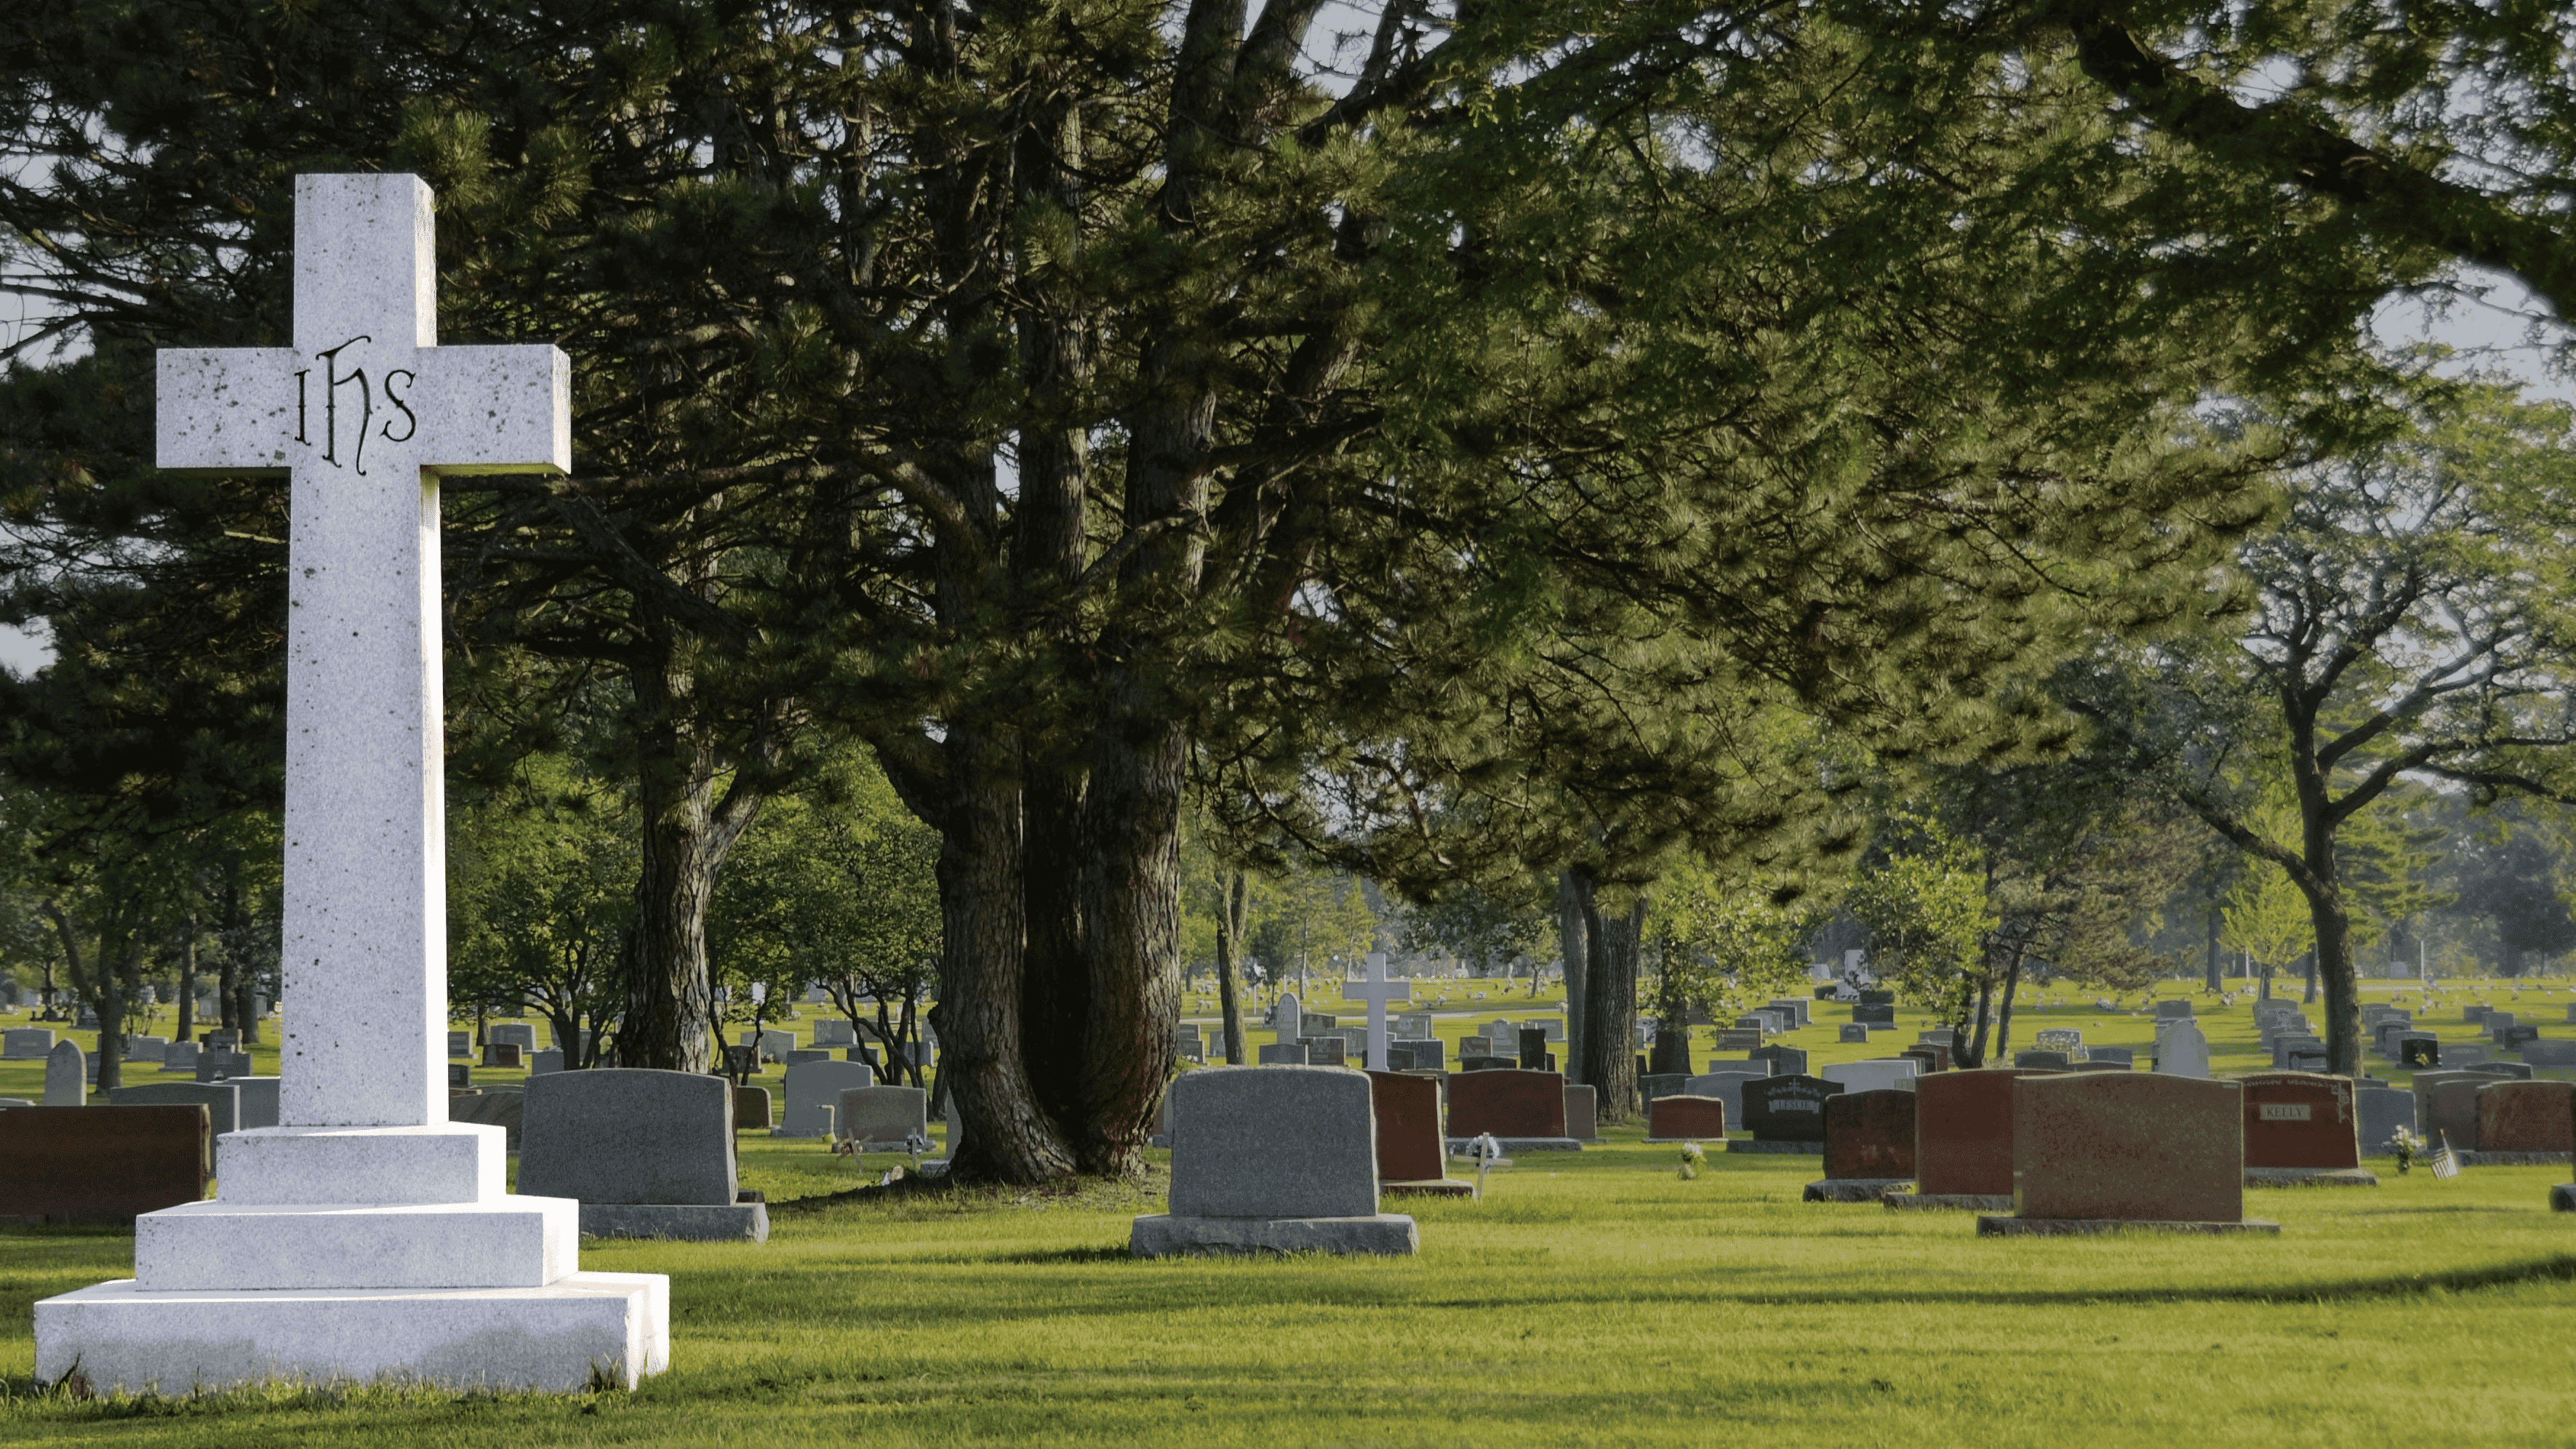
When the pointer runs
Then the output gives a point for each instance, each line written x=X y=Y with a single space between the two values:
x=1377 y=991
x=366 y=1237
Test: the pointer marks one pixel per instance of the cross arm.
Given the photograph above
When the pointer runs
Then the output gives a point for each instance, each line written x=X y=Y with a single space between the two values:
x=226 y=410
x=496 y=410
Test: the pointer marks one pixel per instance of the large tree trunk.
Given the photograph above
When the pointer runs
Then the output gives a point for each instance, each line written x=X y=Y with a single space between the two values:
x=188 y=981
x=2215 y=979
x=1132 y=871
x=686 y=831
x=1610 y=1014
x=1570 y=944
x=1055 y=968
x=2003 y=1018
x=982 y=941
x=2334 y=959
x=1229 y=953
x=1973 y=1053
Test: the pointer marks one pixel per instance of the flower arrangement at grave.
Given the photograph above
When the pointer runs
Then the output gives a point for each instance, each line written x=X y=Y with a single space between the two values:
x=2407 y=1146
x=1692 y=1160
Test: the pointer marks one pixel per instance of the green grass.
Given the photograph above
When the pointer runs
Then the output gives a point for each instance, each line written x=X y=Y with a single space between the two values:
x=1595 y=1299
x=1591 y=1300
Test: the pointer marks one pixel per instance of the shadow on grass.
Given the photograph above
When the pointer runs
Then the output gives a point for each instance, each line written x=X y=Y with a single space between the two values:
x=2557 y=1268
x=1064 y=1255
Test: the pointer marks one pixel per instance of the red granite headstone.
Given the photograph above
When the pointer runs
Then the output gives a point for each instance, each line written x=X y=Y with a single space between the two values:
x=1507 y=1102
x=1701 y=1118
x=1934 y=1056
x=100 y=1164
x=1963 y=1132
x=1407 y=1108
x=2139 y=1147
x=1870 y=1134
x=2300 y=1119
x=2527 y=1117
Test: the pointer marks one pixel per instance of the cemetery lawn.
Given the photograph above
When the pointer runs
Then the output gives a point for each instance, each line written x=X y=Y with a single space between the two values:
x=1591 y=1299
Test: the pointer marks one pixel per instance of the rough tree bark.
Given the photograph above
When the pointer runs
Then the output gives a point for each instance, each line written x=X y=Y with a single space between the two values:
x=1231 y=913
x=188 y=980
x=685 y=832
x=1570 y=943
x=1610 y=1012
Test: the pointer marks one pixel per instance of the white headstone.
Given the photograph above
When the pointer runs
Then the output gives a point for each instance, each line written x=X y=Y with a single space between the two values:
x=67 y=1076
x=2181 y=1050
x=1377 y=991
x=454 y=1280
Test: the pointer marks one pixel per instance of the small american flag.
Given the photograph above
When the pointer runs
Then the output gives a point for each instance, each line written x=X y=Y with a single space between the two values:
x=2446 y=1163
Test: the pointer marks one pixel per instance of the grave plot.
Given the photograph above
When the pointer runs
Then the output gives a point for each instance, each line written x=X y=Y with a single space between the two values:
x=2096 y=1152
x=1272 y=1160
x=2302 y=1130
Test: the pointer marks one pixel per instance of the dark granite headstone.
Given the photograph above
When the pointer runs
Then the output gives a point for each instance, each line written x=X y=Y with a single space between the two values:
x=101 y=1165
x=1787 y=1109
x=1533 y=1049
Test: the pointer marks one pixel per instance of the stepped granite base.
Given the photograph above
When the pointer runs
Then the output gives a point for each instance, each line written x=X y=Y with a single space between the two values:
x=1976 y=1202
x=583 y=1330
x=1162 y=1235
x=1993 y=1226
x=1853 y=1189
x=2310 y=1177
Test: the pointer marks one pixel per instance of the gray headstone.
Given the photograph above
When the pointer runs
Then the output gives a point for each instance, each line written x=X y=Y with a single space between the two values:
x=813 y=1090
x=801 y=1054
x=26 y=1044
x=460 y=1076
x=2173 y=1010
x=1287 y=1054
x=258 y=1100
x=146 y=1048
x=882 y=1116
x=1786 y=1061
x=628 y=1135
x=516 y=1033
x=1874 y=1015
x=215 y=1066
x=2382 y=1110
x=774 y=1045
x=549 y=1060
x=835 y=1032
x=1430 y=1054
x=66 y=1075
x=2553 y=1054
x=182 y=1057
x=460 y=1044
x=1283 y=1143
x=1727 y=1087
x=1853 y=1031
x=1326 y=1051
x=2027 y=1060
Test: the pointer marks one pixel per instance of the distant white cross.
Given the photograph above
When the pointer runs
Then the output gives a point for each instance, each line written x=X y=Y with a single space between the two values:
x=364 y=414
x=1377 y=991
